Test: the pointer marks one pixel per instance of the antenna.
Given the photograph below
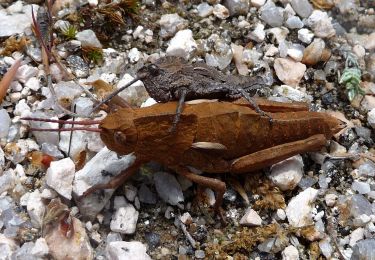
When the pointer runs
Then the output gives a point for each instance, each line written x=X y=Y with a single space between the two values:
x=84 y=122
x=110 y=96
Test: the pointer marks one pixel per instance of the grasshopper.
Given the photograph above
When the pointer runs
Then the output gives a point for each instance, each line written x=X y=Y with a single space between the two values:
x=215 y=137
x=172 y=78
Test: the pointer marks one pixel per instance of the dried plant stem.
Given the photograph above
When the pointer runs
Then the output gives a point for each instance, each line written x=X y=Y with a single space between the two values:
x=8 y=78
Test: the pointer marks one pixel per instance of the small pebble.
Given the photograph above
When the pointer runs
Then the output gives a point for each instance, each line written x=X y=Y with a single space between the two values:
x=251 y=218
x=199 y=254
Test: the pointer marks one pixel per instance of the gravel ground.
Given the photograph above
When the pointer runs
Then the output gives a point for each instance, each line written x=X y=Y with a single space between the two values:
x=311 y=206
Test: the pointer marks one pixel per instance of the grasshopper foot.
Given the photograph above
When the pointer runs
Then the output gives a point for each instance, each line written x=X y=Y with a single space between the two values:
x=219 y=211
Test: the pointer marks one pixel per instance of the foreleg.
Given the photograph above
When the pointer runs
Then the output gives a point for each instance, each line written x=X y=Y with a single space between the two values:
x=116 y=181
x=254 y=104
x=180 y=107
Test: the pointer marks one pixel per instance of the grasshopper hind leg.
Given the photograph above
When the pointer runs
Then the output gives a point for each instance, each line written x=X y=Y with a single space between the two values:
x=180 y=107
x=217 y=185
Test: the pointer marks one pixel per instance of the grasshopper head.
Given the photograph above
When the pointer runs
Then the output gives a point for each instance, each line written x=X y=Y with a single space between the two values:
x=148 y=71
x=118 y=132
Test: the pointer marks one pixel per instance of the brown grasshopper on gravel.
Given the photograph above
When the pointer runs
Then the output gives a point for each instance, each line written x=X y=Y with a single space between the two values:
x=215 y=137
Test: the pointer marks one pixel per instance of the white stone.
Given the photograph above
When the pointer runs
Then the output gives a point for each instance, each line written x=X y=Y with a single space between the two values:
x=204 y=9
x=15 y=7
x=289 y=11
x=279 y=33
x=44 y=137
x=371 y=118
x=15 y=86
x=8 y=246
x=16 y=23
x=135 y=94
x=60 y=176
x=359 y=51
x=130 y=192
x=93 y=3
x=337 y=149
x=170 y=24
x=105 y=161
x=330 y=199
x=287 y=174
x=243 y=24
x=81 y=141
x=33 y=84
x=288 y=71
x=258 y=34
x=321 y=24
x=125 y=220
x=22 y=109
x=296 y=52
x=251 y=218
x=258 y=3
x=25 y=72
x=361 y=187
x=294 y=22
x=356 y=235
x=134 y=55
x=186 y=218
x=35 y=208
x=280 y=214
x=361 y=220
x=83 y=105
x=326 y=248
x=5 y=123
x=221 y=53
x=48 y=194
x=168 y=188
x=305 y=35
x=138 y=32
x=18 y=151
x=40 y=248
x=121 y=250
x=290 y=253
x=182 y=44
x=88 y=39
x=7 y=180
x=149 y=102
x=209 y=196
x=302 y=7
x=299 y=208
x=74 y=246
x=291 y=93
x=220 y=11
x=237 y=7
x=272 y=14
x=237 y=57
x=15 y=97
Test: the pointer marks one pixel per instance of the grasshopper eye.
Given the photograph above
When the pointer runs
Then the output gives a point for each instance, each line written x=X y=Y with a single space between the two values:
x=119 y=137
x=154 y=70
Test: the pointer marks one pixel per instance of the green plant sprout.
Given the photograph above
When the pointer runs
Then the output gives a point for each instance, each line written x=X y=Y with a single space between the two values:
x=69 y=31
x=95 y=55
x=351 y=77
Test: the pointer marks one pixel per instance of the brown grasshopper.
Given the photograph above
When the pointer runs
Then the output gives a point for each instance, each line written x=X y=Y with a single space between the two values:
x=215 y=137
